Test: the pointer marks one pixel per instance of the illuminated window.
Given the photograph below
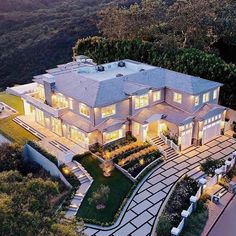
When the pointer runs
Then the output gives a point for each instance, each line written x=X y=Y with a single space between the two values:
x=56 y=126
x=108 y=111
x=141 y=101
x=196 y=100
x=84 y=110
x=39 y=116
x=206 y=97
x=156 y=96
x=59 y=101
x=215 y=94
x=136 y=128
x=114 y=135
x=40 y=90
x=76 y=135
x=178 y=97
x=71 y=103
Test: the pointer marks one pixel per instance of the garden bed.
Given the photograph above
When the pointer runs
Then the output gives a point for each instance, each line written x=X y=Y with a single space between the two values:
x=179 y=200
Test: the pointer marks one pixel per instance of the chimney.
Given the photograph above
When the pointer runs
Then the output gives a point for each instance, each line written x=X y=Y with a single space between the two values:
x=49 y=88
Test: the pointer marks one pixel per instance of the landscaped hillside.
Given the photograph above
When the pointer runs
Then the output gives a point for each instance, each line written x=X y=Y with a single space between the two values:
x=38 y=34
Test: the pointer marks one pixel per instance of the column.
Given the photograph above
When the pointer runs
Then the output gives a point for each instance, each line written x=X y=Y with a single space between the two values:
x=26 y=107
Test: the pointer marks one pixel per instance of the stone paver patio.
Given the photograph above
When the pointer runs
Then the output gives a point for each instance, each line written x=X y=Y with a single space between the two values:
x=141 y=211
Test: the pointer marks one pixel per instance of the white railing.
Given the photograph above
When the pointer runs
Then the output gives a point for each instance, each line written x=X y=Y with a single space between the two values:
x=204 y=183
x=56 y=112
x=169 y=142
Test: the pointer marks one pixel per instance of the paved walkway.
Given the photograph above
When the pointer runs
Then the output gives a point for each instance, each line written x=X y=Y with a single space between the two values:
x=140 y=213
x=226 y=224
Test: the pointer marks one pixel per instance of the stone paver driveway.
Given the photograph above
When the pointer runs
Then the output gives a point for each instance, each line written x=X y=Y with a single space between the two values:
x=140 y=213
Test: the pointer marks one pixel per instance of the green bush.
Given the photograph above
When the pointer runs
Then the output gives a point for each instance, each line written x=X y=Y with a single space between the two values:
x=210 y=165
x=164 y=225
x=178 y=201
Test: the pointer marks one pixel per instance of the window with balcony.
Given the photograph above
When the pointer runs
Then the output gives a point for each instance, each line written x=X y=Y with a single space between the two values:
x=177 y=97
x=84 y=110
x=196 y=100
x=59 y=101
x=108 y=111
x=114 y=135
x=141 y=101
x=156 y=96
x=215 y=94
x=206 y=97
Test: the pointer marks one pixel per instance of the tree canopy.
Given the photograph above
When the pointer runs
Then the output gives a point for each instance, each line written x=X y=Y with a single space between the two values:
x=189 y=61
x=172 y=24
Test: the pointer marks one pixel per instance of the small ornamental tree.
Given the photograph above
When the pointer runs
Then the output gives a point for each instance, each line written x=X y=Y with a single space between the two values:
x=210 y=165
x=100 y=197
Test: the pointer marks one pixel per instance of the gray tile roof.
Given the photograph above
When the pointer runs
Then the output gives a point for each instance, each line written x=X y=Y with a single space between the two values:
x=166 y=112
x=102 y=92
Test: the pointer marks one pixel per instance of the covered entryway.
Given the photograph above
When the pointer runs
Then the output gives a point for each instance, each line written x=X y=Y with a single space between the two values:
x=186 y=139
x=152 y=129
x=211 y=131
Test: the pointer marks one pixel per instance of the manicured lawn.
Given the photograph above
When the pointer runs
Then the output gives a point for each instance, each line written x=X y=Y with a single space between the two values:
x=196 y=222
x=119 y=187
x=8 y=127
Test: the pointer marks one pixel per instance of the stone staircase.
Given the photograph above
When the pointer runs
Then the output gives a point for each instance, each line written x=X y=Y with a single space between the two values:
x=85 y=182
x=170 y=152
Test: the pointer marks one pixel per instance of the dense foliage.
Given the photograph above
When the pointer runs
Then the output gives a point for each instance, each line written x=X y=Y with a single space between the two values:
x=210 y=165
x=29 y=197
x=36 y=35
x=190 y=61
x=178 y=201
x=173 y=23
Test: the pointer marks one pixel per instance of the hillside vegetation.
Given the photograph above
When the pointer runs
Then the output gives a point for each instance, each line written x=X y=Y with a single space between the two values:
x=38 y=34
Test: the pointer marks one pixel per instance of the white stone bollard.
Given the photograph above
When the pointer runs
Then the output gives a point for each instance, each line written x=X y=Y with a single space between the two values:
x=193 y=200
x=202 y=183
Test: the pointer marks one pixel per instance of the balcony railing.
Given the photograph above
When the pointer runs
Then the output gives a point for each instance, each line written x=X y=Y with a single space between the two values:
x=169 y=142
x=39 y=103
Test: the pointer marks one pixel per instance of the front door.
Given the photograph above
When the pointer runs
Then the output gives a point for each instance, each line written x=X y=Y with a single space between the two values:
x=153 y=129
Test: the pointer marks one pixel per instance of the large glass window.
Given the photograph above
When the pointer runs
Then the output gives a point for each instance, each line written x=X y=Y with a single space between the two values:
x=141 y=101
x=76 y=135
x=206 y=97
x=41 y=93
x=59 y=101
x=56 y=126
x=39 y=116
x=84 y=110
x=108 y=111
x=114 y=135
x=177 y=97
x=156 y=96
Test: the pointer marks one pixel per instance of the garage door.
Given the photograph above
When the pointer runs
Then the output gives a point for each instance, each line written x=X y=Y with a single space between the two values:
x=210 y=131
x=186 y=139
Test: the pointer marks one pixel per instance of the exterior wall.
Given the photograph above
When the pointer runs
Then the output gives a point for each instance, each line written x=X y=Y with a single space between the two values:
x=151 y=102
x=122 y=111
x=188 y=103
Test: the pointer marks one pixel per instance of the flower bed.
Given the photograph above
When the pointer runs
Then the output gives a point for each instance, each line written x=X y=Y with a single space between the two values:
x=179 y=200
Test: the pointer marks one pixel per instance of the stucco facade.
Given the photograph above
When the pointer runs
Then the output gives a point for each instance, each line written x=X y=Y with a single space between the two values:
x=100 y=104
